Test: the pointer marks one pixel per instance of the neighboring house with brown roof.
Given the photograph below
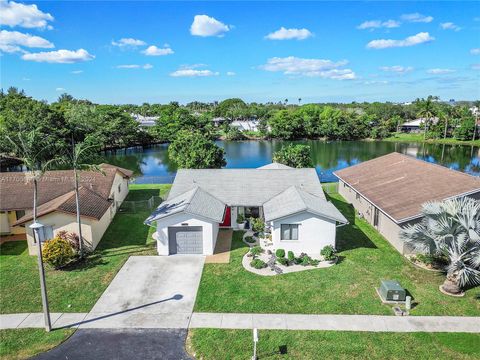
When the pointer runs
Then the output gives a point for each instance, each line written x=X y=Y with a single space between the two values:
x=389 y=191
x=100 y=195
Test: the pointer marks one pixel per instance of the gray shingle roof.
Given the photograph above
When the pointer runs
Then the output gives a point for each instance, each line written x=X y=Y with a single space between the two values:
x=195 y=202
x=246 y=187
x=274 y=165
x=295 y=200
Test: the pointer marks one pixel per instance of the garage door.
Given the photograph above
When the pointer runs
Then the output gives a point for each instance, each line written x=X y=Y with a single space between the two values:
x=185 y=240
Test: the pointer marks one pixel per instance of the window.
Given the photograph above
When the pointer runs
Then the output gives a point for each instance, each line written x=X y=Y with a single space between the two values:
x=19 y=213
x=253 y=212
x=120 y=187
x=289 y=232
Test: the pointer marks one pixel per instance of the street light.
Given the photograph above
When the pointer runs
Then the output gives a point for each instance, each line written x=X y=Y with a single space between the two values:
x=37 y=230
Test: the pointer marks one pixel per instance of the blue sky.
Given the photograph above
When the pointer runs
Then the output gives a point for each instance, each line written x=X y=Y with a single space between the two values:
x=259 y=51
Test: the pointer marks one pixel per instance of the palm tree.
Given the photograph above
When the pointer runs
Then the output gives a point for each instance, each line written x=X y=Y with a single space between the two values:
x=28 y=147
x=427 y=111
x=451 y=229
x=74 y=160
x=299 y=101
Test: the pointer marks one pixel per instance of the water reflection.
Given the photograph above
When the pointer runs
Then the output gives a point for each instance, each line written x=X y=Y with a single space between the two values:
x=327 y=156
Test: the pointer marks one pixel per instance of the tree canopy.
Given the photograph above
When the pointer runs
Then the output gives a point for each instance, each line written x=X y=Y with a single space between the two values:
x=297 y=156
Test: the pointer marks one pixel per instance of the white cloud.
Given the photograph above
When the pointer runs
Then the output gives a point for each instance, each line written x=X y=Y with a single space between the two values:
x=76 y=72
x=416 y=17
x=193 y=71
x=204 y=25
x=450 y=26
x=438 y=71
x=156 y=51
x=419 y=38
x=60 y=89
x=475 y=66
x=309 y=67
x=475 y=51
x=397 y=69
x=128 y=42
x=60 y=56
x=375 y=82
x=231 y=73
x=27 y=16
x=289 y=34
x=374 y=24
x=11 y=41
x=135 y=66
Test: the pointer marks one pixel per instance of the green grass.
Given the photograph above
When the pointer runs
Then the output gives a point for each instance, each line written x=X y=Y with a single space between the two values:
x=346 y=288
x=214 y=344
x=78 y=288
x=24 y=343
x=409 y=137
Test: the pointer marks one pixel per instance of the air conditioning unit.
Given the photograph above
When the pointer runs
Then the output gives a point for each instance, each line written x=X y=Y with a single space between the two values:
x=391 y=290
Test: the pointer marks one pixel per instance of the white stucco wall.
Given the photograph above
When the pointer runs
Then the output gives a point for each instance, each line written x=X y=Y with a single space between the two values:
x=210 y=231
x=313 y=233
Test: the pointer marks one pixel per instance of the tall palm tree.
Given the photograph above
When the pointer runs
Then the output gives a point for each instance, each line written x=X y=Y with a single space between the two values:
x=74 y=160
x=29 y=148
x=451 y=229
x=427 y=112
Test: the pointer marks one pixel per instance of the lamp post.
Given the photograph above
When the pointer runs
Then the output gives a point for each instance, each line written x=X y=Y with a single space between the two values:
x=37 y=230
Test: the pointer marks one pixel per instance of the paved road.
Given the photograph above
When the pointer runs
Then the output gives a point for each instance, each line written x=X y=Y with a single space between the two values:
x=149 y=292
x=125 y=344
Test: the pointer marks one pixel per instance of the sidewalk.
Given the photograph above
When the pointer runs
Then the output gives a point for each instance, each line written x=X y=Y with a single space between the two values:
x=375 y=323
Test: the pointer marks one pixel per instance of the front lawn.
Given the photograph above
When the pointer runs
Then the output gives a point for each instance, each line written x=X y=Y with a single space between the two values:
x=218 y=344
x=76 y=289
x=346 y=288
x=24 y=343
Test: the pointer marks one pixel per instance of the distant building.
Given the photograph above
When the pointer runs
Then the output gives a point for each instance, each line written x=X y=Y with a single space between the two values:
x=415 y=126
x=145 y=121
x=246 y=125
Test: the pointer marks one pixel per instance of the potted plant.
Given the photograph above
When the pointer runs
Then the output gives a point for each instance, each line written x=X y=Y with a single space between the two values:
x=241 y=221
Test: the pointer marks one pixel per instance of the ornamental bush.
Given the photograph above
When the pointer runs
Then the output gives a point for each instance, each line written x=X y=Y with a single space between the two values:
x=258 y=264
x=249 y=239
x=256 y=250
x=57 y=252
x=291 y=256
x=328 y=253
x=257 y=224
x=280 y=253
x=282 y=261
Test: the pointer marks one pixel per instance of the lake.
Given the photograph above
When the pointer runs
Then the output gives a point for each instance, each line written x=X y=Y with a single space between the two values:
x=152 y=164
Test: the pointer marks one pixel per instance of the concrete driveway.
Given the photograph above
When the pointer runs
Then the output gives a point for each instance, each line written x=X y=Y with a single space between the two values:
x=149 y=292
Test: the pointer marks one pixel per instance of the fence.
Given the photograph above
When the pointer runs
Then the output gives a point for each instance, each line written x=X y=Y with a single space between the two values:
x=132 y=207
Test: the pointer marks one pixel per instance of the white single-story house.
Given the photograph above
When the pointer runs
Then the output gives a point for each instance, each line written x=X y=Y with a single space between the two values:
x=416 y=126
x=389 y=191
x=100 y=195
x=291 y=202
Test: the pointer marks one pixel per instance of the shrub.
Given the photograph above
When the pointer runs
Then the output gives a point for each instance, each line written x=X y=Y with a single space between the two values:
x=57 y=252
x=256 y=250
x=314 y=262
x=258 y=264
x=306 y=260
x=249 y=239
x=291 y=256
x=257 y=224
x=282 y=261
x=71 y=237
x=240 y=219
x=280 y=253
x=328 y=253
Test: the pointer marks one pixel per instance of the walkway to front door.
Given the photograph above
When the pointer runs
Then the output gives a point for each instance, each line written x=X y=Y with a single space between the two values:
x=221 y=254
x=149 y=292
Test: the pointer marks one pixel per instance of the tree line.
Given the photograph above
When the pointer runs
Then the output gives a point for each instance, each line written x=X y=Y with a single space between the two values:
x=102 y=127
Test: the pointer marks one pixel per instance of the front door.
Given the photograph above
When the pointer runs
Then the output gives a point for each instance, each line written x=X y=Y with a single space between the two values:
x=227 y=219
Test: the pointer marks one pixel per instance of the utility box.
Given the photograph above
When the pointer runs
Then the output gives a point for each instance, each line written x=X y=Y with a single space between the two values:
x=391 y=290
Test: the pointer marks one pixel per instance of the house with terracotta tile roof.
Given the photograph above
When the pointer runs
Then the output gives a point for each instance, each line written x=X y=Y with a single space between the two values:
x=100 y=195
x=389 y=191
